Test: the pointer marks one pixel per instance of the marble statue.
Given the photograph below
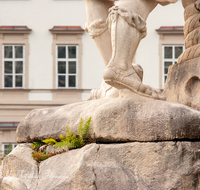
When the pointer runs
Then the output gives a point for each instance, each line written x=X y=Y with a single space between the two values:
x=142 y=143
x=117 y=31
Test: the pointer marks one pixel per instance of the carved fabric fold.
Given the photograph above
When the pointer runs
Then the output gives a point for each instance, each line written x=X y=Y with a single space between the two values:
x=132 y=18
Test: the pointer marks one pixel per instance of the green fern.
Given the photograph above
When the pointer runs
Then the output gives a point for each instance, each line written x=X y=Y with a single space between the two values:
x=83 y=131
x=37 y=145
x=86 y=128
x=63 y=145
x=49 y=141
x=71 y=140
x=40 y=156
x=61 y=137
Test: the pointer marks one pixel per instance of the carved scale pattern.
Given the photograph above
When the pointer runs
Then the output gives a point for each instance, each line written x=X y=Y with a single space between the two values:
x=191 y=32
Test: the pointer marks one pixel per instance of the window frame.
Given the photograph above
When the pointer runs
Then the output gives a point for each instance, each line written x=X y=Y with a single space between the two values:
x=13 y=61
x=173 y=59
x=67 y=60
x=3 y=147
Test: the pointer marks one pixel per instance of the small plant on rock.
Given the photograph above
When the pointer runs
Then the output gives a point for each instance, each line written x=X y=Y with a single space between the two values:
x=75 y=141
x=37 y=145
x=40 y=156
x=49 y=141
x=70 y=141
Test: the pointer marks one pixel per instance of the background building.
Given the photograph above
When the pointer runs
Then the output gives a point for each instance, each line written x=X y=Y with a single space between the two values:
x=48 y=60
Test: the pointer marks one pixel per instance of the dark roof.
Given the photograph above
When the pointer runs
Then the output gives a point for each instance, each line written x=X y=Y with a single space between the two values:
x=14 y=28
x=9 y=124
x=66 y=28
x=170 y=28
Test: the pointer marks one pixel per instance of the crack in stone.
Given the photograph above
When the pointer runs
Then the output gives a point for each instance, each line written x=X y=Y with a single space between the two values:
x=94 y=183
x=153 y=141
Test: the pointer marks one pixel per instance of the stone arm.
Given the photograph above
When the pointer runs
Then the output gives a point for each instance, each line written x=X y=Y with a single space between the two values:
x=165 y=2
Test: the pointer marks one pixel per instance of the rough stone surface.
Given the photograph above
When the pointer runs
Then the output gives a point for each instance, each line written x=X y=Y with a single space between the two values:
x=183 y=83
x=20 y=164
x=191 y=30
x=50 y=123
x=115 y=120
x=12 y=183
x=51 y=149
x=125 y=166
x=70 y=170
x=1 y=169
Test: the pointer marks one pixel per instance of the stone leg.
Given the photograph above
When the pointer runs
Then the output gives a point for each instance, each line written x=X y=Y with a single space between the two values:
x=127 y=29
x=96 y=26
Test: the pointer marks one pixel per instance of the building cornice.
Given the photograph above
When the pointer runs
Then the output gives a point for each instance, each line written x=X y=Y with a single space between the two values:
x=14 y=30
x=170 y=30
x=66 y=30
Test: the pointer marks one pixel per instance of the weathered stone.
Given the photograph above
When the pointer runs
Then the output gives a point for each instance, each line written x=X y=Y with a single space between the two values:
x=43 y=148
x=141 y=166
x=70 y=170
x=20 y=164
x=187 y=2
x=41 y=124
x=183 y=83
x=191 y=30
x=12 y=183
x=1 y=177
x=51 y=149
x=190 y=10
x=113 y=120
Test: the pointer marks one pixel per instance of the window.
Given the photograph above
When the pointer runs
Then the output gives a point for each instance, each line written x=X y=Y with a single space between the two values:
x=169 y=53
x=170 y=56
x=13 y=66
x=7 y=148
x=67 y=57
x=66 y=66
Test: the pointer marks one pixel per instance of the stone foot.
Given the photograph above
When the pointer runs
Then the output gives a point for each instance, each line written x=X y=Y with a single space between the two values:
x=108 y=91
x=105 y=91
x=130 y=79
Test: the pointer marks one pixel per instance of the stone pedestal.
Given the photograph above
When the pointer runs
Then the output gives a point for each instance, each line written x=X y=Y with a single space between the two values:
x=123 y=119
x=122 y=166
x=183 y=83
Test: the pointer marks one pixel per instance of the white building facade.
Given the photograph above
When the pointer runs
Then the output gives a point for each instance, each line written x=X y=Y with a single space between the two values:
x=48 y=60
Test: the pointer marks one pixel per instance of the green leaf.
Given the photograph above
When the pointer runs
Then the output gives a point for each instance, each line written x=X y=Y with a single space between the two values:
x=86 y=128
x=49 y=141
x=73 y=141
x=36 y=145
x=63 y=145
x=61 y=137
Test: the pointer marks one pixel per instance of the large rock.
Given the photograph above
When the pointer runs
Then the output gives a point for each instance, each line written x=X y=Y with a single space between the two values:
x=125 y=166
x=20 y=166
x=71 y=170
x=124 y=119
x=50 y=123
x=183 y=83
x=13 y=183
x=1 y=177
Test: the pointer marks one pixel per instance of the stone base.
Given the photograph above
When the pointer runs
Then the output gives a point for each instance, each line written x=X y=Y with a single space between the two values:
x=183 y=83
x=129 y=166
x=124 y=119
